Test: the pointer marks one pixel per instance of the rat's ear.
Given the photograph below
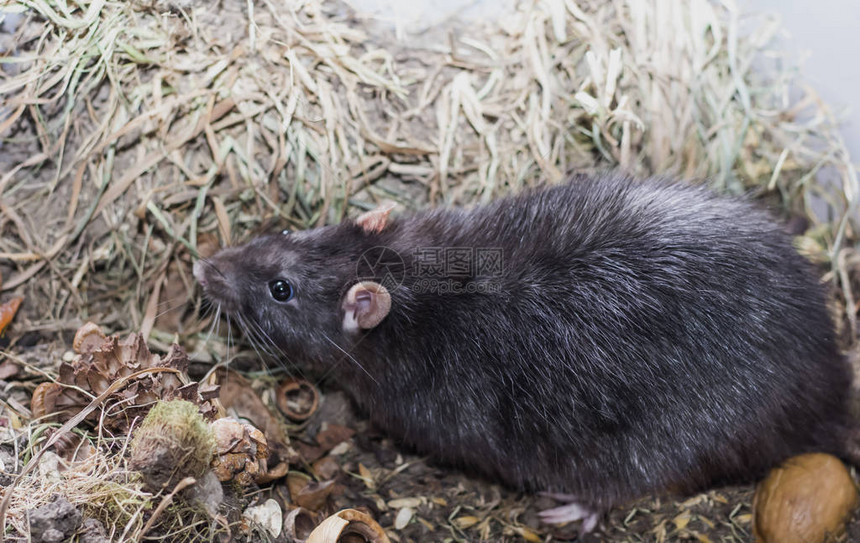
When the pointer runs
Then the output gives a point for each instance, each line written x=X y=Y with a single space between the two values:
x=364 y=306
x=374 y=221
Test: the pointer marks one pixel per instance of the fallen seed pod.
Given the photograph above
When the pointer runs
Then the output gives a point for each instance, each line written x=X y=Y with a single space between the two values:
x=805 y=500
x=298 y=399
x=348 y=526
x=240 y=451
x=102 y=361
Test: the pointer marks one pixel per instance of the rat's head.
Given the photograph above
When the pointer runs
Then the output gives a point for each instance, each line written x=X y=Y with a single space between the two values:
x=298 y=290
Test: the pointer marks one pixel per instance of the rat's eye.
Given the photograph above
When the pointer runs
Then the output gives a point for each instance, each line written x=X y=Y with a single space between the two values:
x=281 y=290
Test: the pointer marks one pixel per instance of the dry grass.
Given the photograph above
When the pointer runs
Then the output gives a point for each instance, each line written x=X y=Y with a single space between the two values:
x=104 y=489
x=135 y=134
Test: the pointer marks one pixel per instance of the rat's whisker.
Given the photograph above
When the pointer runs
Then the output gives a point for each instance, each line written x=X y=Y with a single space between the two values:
x=252 y=338
x=277 y=352
x=207 y=262
x=357 y=363
x=214 y=323
x=229 y=335
x=218 y=321
x=267 y=339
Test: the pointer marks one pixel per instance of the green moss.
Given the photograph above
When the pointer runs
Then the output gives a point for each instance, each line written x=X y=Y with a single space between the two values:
x=173 y=442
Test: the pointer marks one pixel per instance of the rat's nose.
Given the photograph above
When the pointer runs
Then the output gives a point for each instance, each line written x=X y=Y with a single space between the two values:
x=199 y=273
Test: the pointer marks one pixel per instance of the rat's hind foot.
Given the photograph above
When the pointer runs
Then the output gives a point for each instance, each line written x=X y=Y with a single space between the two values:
x=570 y=512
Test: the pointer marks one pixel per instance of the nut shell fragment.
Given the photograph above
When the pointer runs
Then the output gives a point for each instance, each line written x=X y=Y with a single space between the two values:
x=88 y=338
x=344 y=526
x=298 y=524
x=53 y=400
x=805 y=500
x=267 y=515
x=298 y=399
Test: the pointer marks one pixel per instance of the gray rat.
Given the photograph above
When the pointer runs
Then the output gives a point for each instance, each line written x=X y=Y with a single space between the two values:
x=604 y=339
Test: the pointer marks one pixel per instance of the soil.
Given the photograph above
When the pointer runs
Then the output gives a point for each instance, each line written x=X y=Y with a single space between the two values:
x=450 y=505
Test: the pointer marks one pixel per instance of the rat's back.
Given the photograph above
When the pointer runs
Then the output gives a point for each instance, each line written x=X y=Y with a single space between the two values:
x=637 y=336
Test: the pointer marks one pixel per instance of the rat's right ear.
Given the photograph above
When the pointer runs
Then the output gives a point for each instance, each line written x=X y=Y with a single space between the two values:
x=374 y=221
x=364 y=306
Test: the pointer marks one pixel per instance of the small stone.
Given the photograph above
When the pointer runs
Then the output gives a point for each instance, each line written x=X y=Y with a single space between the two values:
x=54 y=522
x=93 y=531
x=207 y=492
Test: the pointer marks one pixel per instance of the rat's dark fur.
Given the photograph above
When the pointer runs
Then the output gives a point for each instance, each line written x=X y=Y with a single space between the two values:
x=644 y=336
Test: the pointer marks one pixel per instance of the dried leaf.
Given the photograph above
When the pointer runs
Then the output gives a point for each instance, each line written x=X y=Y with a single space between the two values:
x=682 y=520
x=366 y=476
x=528 y=535
x=237 y=396
x=466 y=522
x=7 y=312
x=8 y=369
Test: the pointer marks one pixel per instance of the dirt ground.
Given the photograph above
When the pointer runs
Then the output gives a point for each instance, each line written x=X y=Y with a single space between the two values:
x=370 y=472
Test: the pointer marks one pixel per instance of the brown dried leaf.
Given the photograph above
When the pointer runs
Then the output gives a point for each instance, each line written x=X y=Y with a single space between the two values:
x=314 y=495
x=7 y=312
x=327 y=439
x=9 y=369
x=326 y=468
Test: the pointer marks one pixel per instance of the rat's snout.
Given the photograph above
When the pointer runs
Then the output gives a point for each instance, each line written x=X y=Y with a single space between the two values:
x=215 y=278
x=200 y=273
x=209 y=274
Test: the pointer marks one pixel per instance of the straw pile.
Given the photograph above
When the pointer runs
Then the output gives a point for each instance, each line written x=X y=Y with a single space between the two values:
x=134 y=135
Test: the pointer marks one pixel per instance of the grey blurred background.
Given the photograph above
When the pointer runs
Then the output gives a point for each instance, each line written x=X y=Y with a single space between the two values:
x=827 y=32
